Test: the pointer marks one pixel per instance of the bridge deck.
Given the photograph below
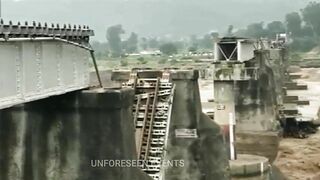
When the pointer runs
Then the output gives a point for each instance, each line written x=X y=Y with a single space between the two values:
x=36 y=68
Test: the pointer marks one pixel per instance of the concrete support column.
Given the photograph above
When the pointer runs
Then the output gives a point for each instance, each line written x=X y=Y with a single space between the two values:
x=63 y=137
x=12 y=140
x=225 y=115
x=204 y=155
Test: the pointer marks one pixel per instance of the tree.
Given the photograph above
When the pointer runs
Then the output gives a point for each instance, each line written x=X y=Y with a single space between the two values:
x=144 y=43
x=193 y=49
x=307 y=31
x=293 y=22
x=230 y=31
x=131 y=45
x=256 y=30
x=311 y=15
x=303 y=44
x=101 y=49
x=241 y=33
x=114 y=39
x=274 y=28
x=214 y=35
x=169 y=49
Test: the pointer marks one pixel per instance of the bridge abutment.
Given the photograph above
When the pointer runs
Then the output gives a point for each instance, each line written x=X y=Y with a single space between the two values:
x=69 y=137
x=205 y=156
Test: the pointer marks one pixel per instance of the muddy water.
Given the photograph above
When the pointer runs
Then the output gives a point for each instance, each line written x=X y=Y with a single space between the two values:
x=311 y=78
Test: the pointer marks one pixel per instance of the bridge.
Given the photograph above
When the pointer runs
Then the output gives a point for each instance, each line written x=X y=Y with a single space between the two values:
x=62 y=137
x=39 y=61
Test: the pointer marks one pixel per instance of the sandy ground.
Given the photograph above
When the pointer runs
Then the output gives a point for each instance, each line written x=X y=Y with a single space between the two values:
x=299 y=159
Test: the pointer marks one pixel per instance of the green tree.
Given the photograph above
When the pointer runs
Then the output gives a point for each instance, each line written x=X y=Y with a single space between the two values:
x=303 y=44
x=114 y=40
x=144 y=43
x=307 y=31
x=256 y=30
x=274 y=28
x=131 y=45
x=230 y=31
x=193 y=49
x=293 y=23
x=214 y=35
x=101 y=49
x=169 y=49
x=311 y=15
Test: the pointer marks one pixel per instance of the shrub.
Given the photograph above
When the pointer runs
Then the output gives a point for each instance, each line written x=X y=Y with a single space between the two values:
x=142 y=60
x=162 y=61
x=124 y=63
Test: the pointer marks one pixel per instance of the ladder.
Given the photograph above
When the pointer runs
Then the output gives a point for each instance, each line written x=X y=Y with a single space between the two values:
x=151 y=114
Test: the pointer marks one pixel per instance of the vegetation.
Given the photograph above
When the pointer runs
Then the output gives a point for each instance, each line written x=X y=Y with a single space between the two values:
x=311 y=15
x=114 y=40
x=306 y=36
x=124 y=62
x=162 y=61
x=131 y=45
x=142 y=60
x=169 y=49
x=303 y=28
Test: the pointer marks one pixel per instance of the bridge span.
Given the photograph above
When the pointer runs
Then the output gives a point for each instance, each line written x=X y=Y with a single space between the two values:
x=38 y=61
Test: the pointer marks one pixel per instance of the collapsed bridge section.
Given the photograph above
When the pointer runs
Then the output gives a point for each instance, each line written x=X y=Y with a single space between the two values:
x=40 y=61
x=174 y=129
x=152 y=113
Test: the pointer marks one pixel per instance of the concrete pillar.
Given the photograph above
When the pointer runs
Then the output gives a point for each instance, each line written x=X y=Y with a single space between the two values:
x=61 y=137
x=12 y=143
x=225 y=113
x=204 y=156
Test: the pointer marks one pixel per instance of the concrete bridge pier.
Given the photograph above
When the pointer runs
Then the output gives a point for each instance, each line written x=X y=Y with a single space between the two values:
x=205 y=155
x=64 y=137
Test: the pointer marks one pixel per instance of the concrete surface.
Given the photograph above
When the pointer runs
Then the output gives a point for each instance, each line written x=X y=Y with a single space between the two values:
x=248 y=165
x=56 y=138
x=258 y=143
x=205 y=157
x=105 y=76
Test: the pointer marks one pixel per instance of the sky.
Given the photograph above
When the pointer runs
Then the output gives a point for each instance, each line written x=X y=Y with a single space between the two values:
x=151 y=18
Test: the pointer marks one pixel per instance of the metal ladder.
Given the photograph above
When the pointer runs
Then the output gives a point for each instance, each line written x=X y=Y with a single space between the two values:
x=151 y=118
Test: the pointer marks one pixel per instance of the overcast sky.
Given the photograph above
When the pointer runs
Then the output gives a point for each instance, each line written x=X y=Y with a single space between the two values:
x=151 y=17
